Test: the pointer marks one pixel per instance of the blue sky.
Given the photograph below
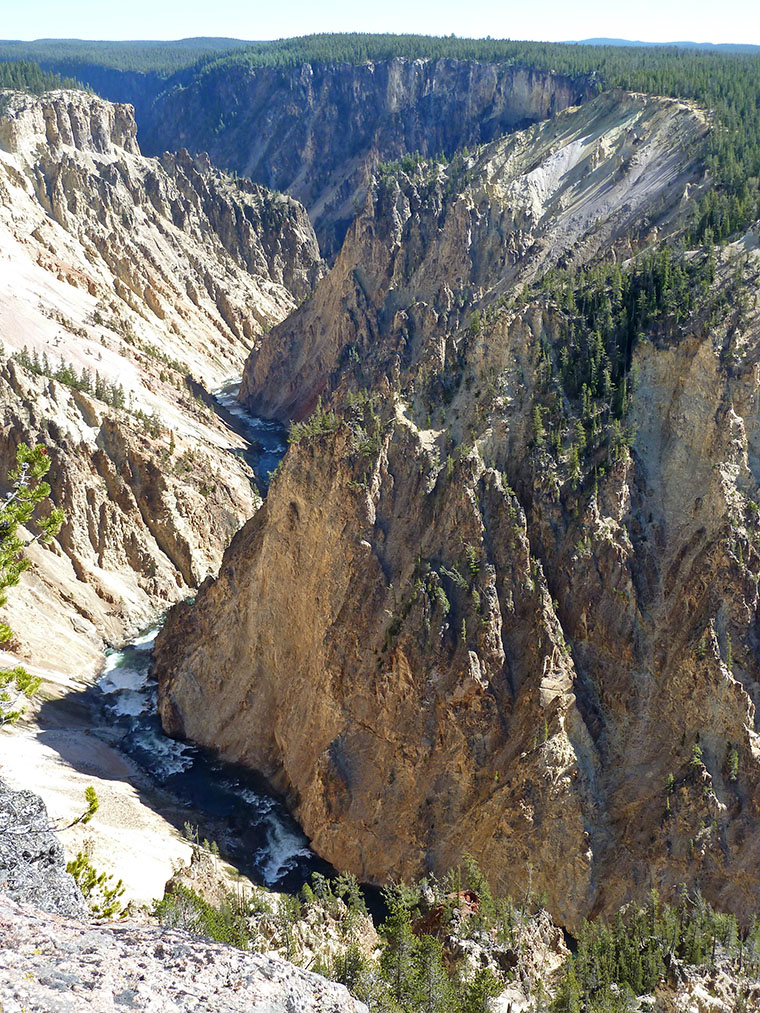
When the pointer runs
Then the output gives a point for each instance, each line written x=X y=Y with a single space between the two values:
x=649 y=20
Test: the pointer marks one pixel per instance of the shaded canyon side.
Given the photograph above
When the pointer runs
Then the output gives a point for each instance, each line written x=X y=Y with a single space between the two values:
x=318 y=131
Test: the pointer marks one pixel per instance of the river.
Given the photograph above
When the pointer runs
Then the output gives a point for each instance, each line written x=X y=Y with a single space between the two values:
x=251 y=825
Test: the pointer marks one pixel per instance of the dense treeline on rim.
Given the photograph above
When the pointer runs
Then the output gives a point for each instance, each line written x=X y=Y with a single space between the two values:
x=23 y=75
x=728 y=84
x=143 y=57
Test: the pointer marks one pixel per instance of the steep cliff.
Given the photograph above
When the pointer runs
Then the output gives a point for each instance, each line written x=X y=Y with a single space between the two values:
x=523 y=675
x=124 y=279
x=433 y=246
x=502 y=596
x=319 y=130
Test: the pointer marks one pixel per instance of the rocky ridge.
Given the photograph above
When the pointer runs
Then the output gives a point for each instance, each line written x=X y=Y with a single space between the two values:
x=212 y=259
x=51 y=962
x=54 y=957
x=154 y=278
x=454 y=640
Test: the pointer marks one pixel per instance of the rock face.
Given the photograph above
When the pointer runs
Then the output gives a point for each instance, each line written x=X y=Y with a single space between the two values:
x=50 y=962
x=318 y=131
x=420 y=258
x=140 y=530
x=439 y=637
x=66 y=119
x=180 y=241
x=142 y=274
x=32 y=866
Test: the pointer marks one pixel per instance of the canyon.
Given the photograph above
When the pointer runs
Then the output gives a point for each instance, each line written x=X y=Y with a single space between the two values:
x=498 y=602
x=319 y=131
x=130 y=288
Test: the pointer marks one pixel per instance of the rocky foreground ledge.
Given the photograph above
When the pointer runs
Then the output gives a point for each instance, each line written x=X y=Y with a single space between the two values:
x=52 y=963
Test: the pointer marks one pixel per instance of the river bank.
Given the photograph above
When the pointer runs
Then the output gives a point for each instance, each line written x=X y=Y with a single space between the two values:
x=99 y=727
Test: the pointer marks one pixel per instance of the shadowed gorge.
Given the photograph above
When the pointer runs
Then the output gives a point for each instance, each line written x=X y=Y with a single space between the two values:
x=319 y=132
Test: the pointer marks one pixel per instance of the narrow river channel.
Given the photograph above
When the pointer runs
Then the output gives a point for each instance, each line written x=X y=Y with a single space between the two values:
x=251 y=825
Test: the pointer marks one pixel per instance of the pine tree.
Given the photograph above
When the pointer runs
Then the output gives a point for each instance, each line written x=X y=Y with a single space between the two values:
x=568 y=996
x=480 y=989
x=28 y=491
x=398 y=958
x=539 y=433
x=433 y=989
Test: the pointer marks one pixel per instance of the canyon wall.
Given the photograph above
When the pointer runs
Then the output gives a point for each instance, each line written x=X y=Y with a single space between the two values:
x=138 y=282
x=318 y=131
x=440 y=635
x=420 y=259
